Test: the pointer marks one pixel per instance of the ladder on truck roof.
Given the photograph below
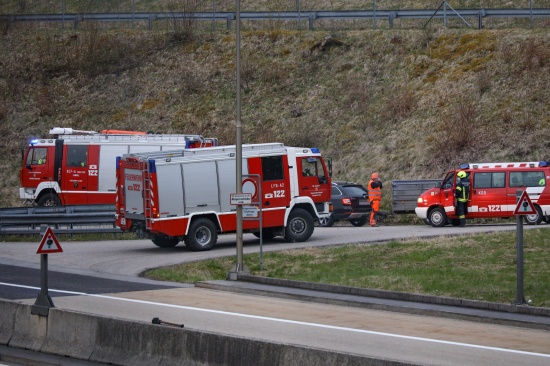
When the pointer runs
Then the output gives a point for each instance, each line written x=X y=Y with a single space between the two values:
x=527 y=164
x=131 y=138
x=248 y=150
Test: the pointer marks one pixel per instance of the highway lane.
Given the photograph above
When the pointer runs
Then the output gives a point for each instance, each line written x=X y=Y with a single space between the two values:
x=100 y=278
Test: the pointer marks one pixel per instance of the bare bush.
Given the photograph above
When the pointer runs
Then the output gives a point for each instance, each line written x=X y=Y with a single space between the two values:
x=181 y=23
x=399 y=105
x=483 y=82
x=457 y=134
x=535 y=54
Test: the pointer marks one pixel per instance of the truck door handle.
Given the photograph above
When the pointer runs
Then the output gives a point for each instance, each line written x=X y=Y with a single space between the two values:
x=266 y=203
x=305 y=188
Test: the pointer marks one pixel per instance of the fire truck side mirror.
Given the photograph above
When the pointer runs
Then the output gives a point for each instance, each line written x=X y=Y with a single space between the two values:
x=323 y=179
x=28 y=166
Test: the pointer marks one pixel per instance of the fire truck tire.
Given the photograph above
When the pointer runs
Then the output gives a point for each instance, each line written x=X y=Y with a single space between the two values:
x=534 y=219
x=359 y=222
x=165 y=241
x=202 y=235
x=299 y=226
x=326 y=221
x=437 y=217
x=49 y=200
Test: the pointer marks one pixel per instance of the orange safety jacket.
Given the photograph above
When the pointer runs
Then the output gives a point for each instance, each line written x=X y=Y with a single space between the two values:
x=375 y=190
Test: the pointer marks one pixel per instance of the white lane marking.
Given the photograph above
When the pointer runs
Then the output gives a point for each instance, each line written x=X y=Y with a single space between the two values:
x=291 y=321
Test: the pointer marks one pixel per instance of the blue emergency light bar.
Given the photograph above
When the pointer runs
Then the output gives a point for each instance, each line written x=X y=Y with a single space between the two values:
x=152 y=166
x=543 y=164
x=464 y=166
x=315 y=150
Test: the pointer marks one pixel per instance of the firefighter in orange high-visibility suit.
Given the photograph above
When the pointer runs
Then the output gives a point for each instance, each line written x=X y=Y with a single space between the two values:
x=375 y=196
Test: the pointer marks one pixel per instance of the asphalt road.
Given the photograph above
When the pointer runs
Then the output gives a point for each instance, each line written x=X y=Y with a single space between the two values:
x=132 y=257
x=101 y=278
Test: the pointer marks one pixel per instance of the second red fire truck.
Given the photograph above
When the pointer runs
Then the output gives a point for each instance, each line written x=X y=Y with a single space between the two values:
x=185 y=195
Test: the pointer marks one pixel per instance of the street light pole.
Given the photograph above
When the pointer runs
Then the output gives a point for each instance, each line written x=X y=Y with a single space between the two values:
x=239 y=149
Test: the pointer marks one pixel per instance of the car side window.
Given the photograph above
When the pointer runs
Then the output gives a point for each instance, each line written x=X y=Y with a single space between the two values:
x=336 y=191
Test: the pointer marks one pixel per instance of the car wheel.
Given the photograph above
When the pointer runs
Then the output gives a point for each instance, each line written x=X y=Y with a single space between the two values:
x=202 y=235
x=437 y=217
x=534 y=219
x=165 y=241
x=326 y=221
x=299 y=226
x=358 y=222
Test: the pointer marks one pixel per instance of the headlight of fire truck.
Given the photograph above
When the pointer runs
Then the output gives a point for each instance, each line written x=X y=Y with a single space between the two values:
x=420 y=200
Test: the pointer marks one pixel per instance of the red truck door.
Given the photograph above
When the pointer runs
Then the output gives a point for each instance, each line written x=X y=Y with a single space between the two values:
x=313 y=179
x=447 y=193
x=37 y=166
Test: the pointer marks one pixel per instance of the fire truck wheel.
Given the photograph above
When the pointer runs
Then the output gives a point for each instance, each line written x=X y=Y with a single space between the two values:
x=326 y=221
x=49 y=200
x=299 y=226
x=359 y=222
x=165 y=241
x=437 y=217
x=202 y=235
x=534 y=219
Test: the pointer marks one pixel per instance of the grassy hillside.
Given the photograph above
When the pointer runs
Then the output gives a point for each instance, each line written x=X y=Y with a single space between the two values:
x=407 y=103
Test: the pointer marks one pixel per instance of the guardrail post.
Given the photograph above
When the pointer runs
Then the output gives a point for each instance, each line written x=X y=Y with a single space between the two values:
x=310 y=20
x=391 y=16
x=229 y=19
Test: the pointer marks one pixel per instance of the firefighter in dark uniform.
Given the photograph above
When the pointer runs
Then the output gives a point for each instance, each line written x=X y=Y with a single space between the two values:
x=462 y=193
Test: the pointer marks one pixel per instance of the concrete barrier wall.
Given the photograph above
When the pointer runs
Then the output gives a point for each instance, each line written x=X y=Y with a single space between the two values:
x=122 y=342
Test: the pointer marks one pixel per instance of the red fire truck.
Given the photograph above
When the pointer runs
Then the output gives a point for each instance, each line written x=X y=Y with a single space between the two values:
x=185 y=195
x=76 y=167
x=493 y=188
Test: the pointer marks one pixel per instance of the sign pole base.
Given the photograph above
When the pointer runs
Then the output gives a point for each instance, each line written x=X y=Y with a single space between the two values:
x=44 y=301
x=235 y=271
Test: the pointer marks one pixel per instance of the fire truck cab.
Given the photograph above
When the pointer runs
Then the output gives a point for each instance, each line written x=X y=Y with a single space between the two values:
x=78 y=167
x=493 y=188
x=185 y=195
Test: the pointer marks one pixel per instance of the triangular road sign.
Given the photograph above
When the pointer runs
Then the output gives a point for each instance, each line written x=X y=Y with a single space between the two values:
x=525 y=206
x=49 y=243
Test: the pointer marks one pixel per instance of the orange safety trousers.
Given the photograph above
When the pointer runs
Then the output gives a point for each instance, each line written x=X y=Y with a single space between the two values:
x=375 y=205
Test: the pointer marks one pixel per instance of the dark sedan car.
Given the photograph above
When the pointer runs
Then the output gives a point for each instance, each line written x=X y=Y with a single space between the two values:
x=350 y=202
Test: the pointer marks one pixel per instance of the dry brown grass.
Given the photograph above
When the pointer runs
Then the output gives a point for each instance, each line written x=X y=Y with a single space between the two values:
x=397 y=102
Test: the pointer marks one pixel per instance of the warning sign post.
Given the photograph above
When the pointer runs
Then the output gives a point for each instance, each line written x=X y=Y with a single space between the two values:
x=524 y=207
x=48 y=244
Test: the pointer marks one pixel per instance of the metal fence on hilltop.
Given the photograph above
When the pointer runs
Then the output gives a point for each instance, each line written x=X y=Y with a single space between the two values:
x=299 y=14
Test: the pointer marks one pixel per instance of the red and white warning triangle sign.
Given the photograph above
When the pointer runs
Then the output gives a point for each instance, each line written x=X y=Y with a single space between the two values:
x=525 y=206
x=49 y=243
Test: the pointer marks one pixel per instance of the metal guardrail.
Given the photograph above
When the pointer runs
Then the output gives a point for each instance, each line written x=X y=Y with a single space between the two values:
x=406 y=192
x=62 y=219
x=310 y=16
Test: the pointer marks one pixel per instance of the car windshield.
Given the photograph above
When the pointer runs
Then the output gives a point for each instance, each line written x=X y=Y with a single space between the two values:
x=355 y=191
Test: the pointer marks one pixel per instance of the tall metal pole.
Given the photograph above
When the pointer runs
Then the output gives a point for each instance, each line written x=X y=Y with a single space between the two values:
x=239 y=147
x=520 y=298
x=531 y=11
